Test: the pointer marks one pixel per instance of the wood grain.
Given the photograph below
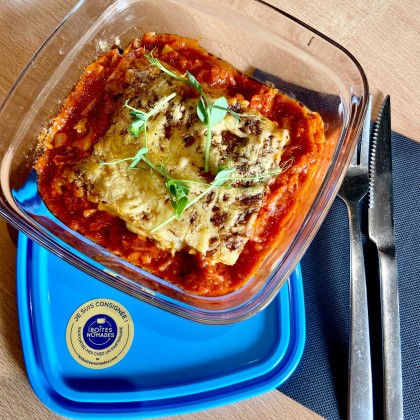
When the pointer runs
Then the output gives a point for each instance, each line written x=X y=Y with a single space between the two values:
x=382 y=34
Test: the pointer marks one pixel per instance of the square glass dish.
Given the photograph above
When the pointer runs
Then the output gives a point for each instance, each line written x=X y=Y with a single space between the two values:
x=256 y=38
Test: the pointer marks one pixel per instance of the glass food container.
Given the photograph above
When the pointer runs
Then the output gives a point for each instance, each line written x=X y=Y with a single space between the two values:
x=253 y=36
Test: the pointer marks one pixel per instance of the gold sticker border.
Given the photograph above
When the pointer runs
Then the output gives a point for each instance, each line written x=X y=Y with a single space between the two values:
x=79 y=353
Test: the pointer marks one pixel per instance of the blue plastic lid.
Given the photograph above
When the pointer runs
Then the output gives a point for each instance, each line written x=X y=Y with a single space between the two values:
x=93 y=351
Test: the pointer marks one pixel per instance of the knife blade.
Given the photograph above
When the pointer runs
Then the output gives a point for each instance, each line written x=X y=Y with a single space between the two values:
x=381 y=232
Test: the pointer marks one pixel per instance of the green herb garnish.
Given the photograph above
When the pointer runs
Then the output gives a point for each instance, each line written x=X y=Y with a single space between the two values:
x=154 y=61
x=210 y=113
x=221 y=178
x=178 y=189
x=142 y=117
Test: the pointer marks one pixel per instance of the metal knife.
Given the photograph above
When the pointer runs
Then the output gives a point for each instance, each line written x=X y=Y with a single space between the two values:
x=381 y=232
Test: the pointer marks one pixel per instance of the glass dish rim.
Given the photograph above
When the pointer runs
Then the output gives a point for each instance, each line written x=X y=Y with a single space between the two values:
x=348 y=129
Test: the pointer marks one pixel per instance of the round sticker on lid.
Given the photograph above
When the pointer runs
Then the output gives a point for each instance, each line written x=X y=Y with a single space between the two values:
x=99 y=333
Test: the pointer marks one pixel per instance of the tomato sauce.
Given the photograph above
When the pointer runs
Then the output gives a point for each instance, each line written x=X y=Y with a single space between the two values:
x=93 y=102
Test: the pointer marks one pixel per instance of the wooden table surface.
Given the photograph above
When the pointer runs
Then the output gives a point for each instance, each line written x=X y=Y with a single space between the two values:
x=383 y=35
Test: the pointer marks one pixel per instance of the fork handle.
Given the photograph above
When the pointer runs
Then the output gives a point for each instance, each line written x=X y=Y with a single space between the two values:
x=360 y=394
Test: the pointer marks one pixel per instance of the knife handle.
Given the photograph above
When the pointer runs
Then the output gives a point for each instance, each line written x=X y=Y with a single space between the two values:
x=391 y=341
x=360 y=395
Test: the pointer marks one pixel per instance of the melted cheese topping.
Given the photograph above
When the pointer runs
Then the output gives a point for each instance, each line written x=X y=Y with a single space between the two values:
x=221 y=222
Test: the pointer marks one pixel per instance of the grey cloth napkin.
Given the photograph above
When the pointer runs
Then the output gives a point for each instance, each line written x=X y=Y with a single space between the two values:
x=320 y=381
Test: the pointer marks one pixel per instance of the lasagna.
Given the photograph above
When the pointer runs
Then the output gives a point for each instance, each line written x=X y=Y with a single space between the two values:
x=175 y=161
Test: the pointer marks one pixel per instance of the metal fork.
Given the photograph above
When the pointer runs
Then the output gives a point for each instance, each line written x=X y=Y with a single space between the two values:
x=354 y=188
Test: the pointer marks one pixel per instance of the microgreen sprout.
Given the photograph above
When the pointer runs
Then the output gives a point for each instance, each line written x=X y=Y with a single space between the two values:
x=284 y=166
x=210 y=113
x=221 y=178
x=178 y=189
x=140 y=123
x=155 y=62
